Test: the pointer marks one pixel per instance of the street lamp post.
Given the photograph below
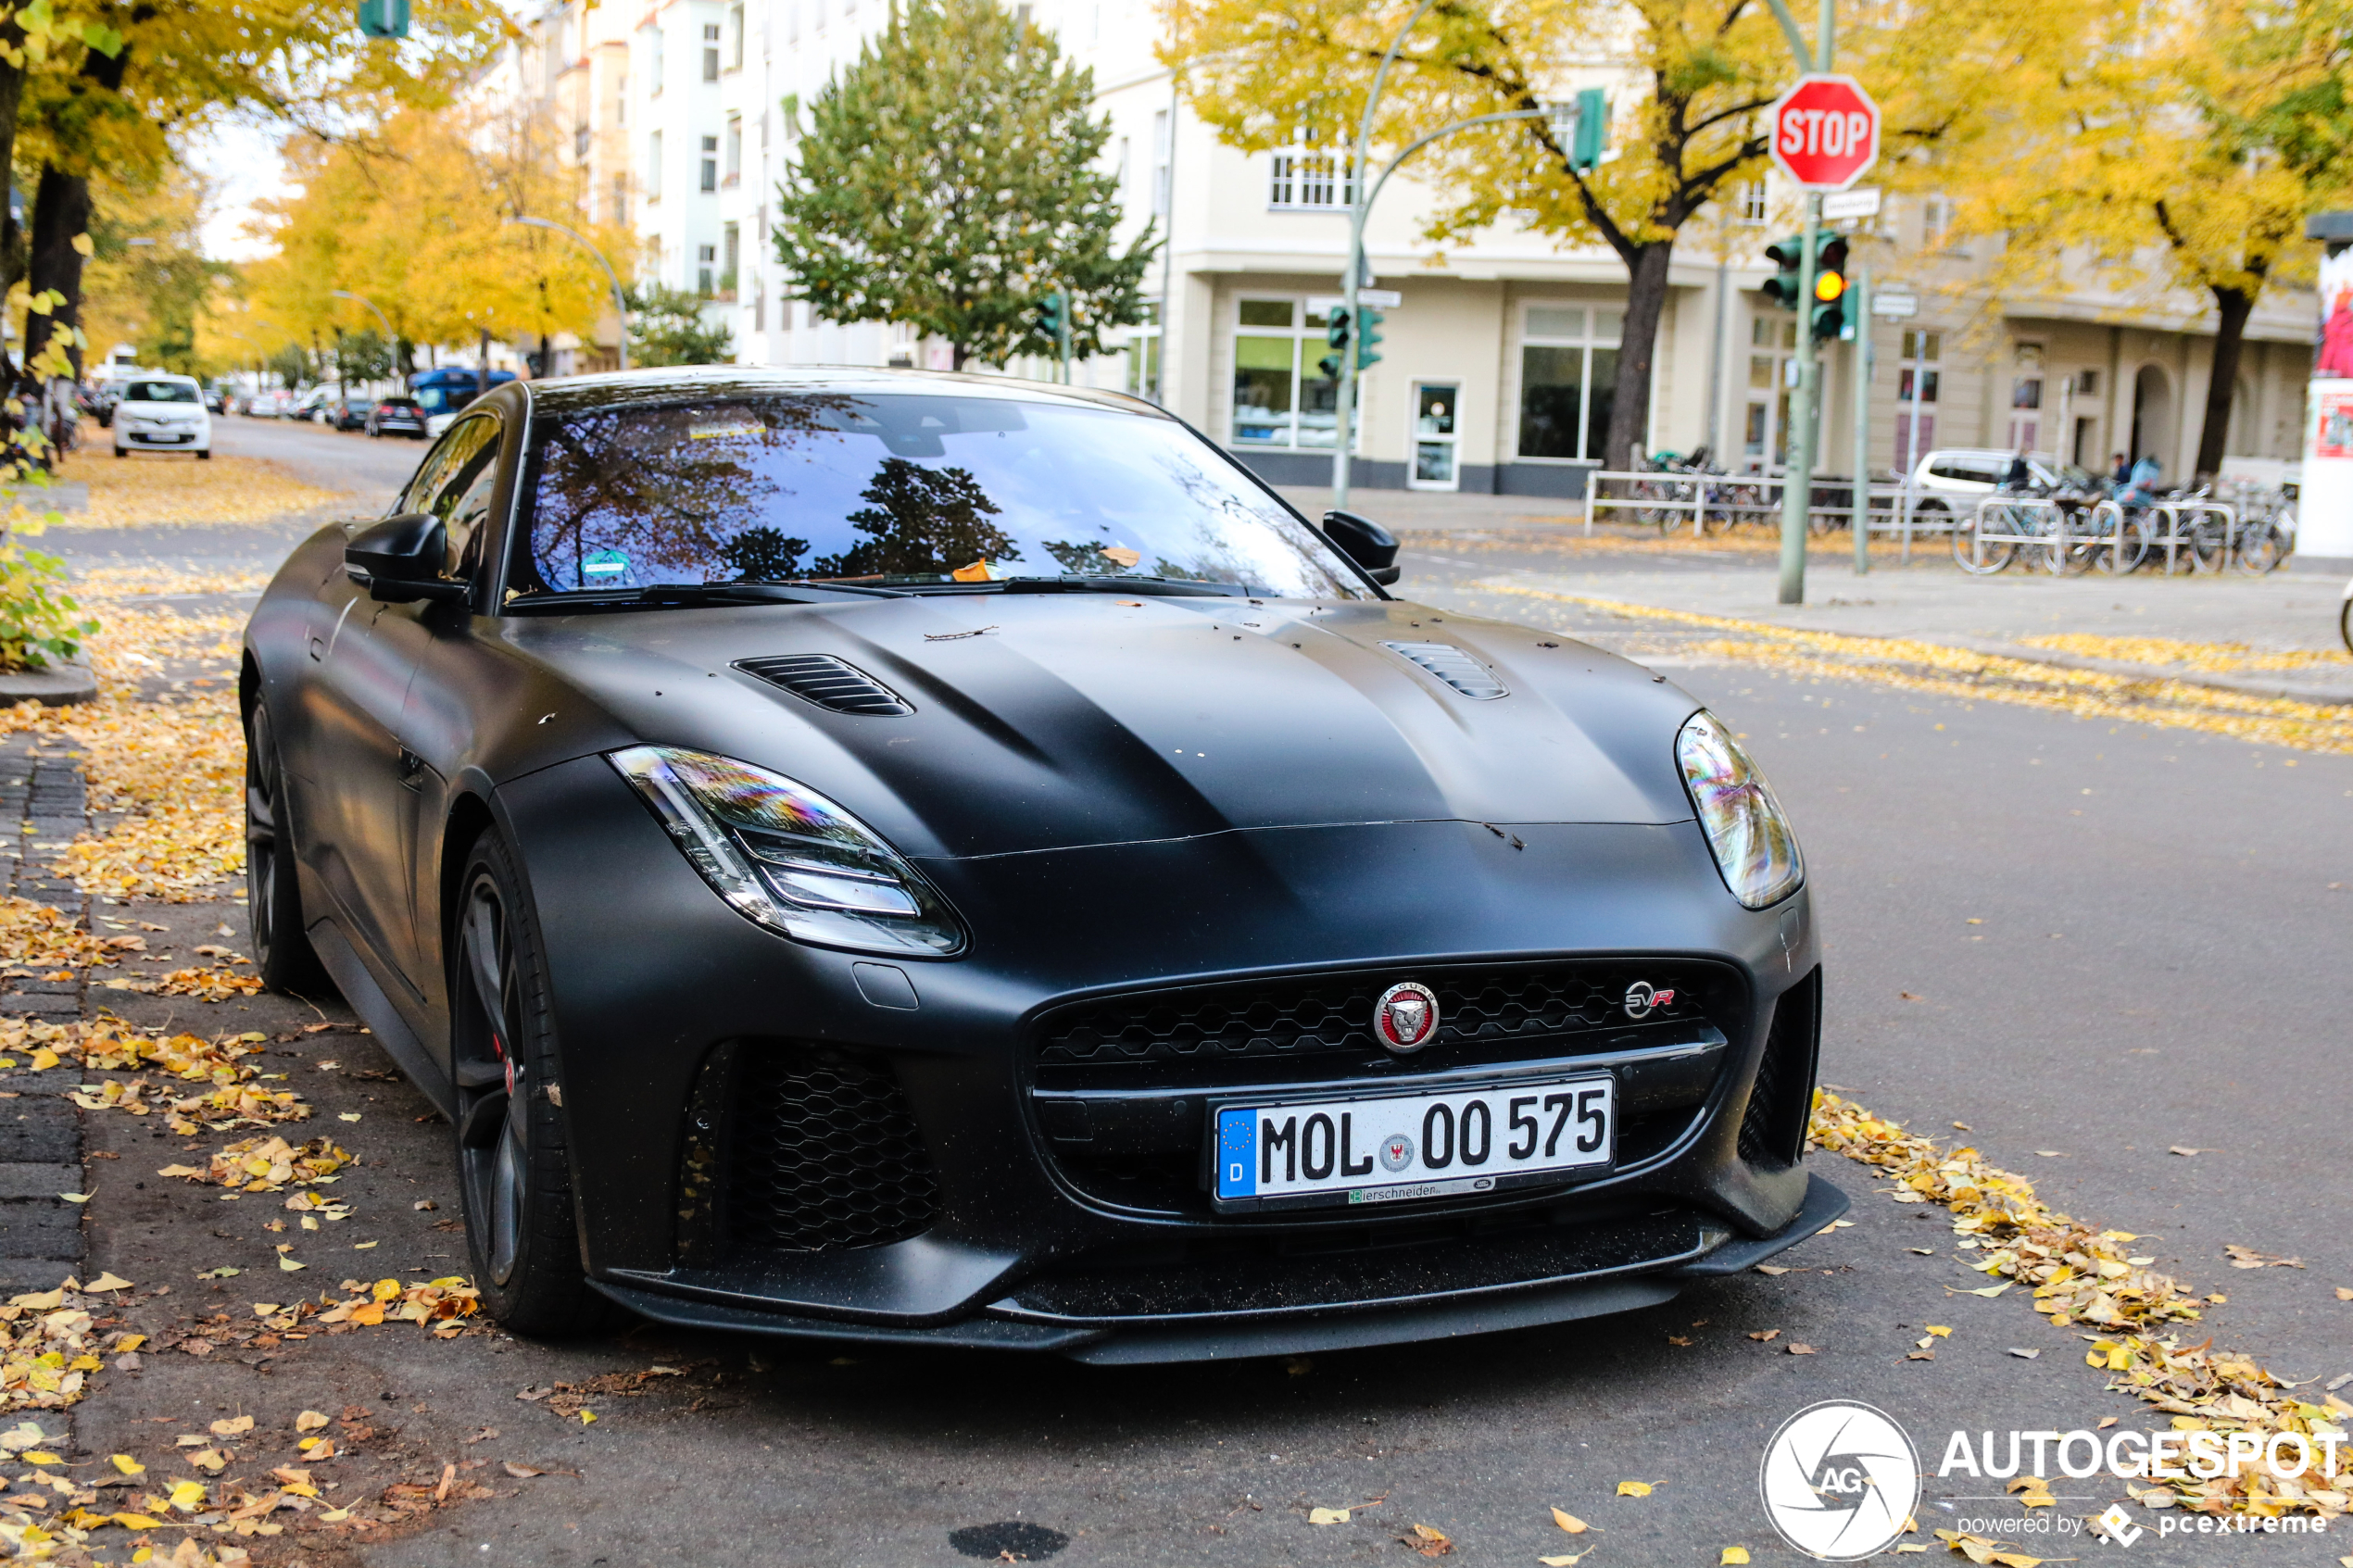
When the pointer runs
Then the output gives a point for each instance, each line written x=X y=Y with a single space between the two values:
x=391 y=337
x=619 y=299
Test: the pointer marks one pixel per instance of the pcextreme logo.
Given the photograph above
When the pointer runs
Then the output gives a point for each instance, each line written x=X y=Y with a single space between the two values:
x=1839 y=1480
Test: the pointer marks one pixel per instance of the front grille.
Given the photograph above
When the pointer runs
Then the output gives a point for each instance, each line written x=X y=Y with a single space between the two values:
x=1256 y=1031
x=1773 y=1128
x=829 y=683
x=800 y=1149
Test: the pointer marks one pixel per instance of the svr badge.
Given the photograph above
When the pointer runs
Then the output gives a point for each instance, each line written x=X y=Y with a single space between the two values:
x=1407 y=1017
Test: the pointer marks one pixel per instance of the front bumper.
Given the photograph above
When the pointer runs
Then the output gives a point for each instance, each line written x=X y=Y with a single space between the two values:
x=1018 y=1240
x=183 y=440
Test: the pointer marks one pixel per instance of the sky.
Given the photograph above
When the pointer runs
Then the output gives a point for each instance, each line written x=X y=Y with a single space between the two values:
x=240 y=161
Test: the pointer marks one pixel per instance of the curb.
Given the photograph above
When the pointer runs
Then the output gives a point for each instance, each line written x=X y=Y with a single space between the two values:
x=53 y=687
x=40 y=1240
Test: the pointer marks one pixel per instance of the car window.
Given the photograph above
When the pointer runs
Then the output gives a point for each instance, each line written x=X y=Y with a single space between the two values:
x=885 y=488
x=160 y=392
x=442 y=478
x=471 y=513
x=1952 y=468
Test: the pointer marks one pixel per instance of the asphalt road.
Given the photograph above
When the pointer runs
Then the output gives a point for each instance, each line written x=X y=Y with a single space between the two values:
x=2161 y=963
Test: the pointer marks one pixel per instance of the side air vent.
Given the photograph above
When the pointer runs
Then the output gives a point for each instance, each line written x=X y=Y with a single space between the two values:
x=1455 y=667
x=829 y=683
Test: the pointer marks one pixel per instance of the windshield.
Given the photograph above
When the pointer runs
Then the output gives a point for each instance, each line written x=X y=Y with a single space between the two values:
x=901 y=491
x=160 y=392
x=446 y=399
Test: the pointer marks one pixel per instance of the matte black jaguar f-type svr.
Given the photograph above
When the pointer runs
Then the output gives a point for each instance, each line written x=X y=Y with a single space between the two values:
x=922 y=858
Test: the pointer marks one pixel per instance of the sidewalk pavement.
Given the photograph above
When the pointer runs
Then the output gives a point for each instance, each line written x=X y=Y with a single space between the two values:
x=1468 y=543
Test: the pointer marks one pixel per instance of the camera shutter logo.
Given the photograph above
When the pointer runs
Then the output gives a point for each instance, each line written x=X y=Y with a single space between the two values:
x=1839 y=1480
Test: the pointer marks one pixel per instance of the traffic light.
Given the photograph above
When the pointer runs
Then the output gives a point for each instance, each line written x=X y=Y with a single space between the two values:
x=1785 y=255
x=1592 y=129
x=1054 y=315
x=1335 y=333
x=1368 y=334
x=383 y=18
x=1829 y=288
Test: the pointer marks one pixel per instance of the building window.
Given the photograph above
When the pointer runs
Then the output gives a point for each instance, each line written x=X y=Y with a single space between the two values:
x=1304 y=179
x=654 y=51
x=734 y=38
x=653 y=167
x=620 y=210
x=711 y=52
x=710 y=163
x=1143 y=355
x=1567 y=380
x=1915 y=389
x=620 y=99
x=579 y=142
x=734 y=149
x=1753 y=209
x=1281 y=395
x=706 y=263
x=759 y=306
x=1936 y=221
x=731 y=257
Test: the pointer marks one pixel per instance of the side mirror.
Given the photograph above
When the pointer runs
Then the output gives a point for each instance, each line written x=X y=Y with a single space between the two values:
x=400 y=559
x=1364 y=541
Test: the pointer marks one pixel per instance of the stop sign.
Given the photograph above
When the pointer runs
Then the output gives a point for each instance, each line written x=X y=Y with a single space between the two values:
x=1825 y=132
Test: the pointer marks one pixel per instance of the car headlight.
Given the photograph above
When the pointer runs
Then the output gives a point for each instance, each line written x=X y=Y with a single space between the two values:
x=1754 y=847
x=787 y=858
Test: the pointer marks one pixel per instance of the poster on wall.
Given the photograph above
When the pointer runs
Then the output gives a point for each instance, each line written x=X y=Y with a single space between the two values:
x=2332 y=422
x=2337 y=316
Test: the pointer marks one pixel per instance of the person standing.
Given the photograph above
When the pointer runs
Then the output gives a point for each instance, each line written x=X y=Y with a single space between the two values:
x=2121 y=474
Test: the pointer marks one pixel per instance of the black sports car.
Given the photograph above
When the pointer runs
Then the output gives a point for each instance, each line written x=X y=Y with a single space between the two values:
x=910 y=856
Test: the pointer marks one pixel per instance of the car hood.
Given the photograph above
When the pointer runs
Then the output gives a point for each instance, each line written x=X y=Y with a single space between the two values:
x=1047 y=722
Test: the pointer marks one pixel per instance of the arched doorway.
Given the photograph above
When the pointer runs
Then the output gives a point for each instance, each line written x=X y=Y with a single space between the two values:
x=2152 y=414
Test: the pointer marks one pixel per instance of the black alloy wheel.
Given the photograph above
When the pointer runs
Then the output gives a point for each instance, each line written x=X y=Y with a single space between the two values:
x=282 y=952
x=514 y=1181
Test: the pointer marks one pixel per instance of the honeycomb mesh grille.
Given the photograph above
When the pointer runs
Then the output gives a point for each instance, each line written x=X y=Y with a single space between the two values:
x=829 y=683
x=824 y=1155
x=1773 y=1128
x=1480 y=1008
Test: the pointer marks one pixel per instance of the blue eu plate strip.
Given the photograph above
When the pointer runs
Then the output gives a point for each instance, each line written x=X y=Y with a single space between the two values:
x=1237 y=1153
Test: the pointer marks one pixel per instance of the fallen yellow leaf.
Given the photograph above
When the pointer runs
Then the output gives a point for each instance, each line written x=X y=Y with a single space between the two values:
x=107 y=1281
x=1634 y=1488
x=231 y=1425
x=1735 y=1554
x=187 y=1495
x=137 y=1522
x=310 y=1421
x=1570 y=1523
x=1567 y=1559
x=1939 y=1330
x=128 y=1465
x=1315 y=1515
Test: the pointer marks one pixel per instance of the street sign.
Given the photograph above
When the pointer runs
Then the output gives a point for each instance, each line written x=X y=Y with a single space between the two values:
x=1895 y=306
x=1372 y=299
x=1851 y=204
x=1825 y=132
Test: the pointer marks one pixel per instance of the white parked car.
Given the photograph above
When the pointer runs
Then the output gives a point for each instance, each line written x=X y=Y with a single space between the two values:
x=1952 y=478
x=160 y=413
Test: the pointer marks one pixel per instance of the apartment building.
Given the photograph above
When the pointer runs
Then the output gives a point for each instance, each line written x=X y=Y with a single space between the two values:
x=1499 y=365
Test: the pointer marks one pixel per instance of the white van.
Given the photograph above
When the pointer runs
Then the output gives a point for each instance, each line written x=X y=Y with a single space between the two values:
x=161 y=413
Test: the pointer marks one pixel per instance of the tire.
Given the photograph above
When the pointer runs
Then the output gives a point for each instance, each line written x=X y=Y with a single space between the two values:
x=1996 y=555
x=121 y=452
x=274 y=926
x=204 y=453
x=2261 y=549
x=514 y=1181
x=2345 y=625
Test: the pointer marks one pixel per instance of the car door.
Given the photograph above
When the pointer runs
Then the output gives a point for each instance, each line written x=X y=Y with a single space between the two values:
x=361 y=832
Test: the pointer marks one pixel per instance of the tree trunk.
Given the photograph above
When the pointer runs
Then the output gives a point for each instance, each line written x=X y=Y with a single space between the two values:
x=60 y=212
x=2232 y=308
x=12 y=257
x=1645 y=303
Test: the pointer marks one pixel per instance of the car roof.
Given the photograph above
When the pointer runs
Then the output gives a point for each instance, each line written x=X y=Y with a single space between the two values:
x=162 y=375
x=676 y=383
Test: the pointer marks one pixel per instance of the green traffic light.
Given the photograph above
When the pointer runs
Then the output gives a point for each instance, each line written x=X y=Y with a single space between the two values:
x=383 y=18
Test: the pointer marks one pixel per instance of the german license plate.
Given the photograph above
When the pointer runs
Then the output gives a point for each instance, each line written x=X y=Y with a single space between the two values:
x=1391 y=1150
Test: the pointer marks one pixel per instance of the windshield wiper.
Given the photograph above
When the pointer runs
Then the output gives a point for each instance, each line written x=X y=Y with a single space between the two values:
x=1074 y=583
x=661 y=595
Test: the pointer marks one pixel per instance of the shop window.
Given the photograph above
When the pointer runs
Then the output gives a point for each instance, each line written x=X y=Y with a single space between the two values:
x=1567 y=380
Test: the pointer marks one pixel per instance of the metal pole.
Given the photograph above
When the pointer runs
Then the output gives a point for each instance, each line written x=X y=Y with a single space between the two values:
x=1716 y=367
x=619 y=298
x=1344 y=405
x=1797 y=492
x=1861 y=295
x=1797 y=480
x=1167 y=198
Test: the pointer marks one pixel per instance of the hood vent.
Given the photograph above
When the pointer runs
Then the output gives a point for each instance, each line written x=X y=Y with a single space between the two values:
x=829 y=683
x=1455 y=667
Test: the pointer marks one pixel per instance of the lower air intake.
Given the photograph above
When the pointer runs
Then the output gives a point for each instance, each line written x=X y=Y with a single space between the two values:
x=1773 y=1129
x=814 y=1150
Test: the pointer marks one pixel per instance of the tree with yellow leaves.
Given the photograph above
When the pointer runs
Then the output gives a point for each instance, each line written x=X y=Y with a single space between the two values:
x=2180 y=146
x=413 y=218
x=1689 y=81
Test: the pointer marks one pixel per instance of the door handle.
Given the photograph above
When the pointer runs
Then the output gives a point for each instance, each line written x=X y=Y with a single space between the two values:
x=412 y=770
x=317 y=649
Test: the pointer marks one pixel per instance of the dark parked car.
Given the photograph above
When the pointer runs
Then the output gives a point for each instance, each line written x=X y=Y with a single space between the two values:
x=396 y=415
x=906 y=857
x=350 y=413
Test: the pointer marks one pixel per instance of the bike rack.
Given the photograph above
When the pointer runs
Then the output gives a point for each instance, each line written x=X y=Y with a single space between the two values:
x=2053 y=538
